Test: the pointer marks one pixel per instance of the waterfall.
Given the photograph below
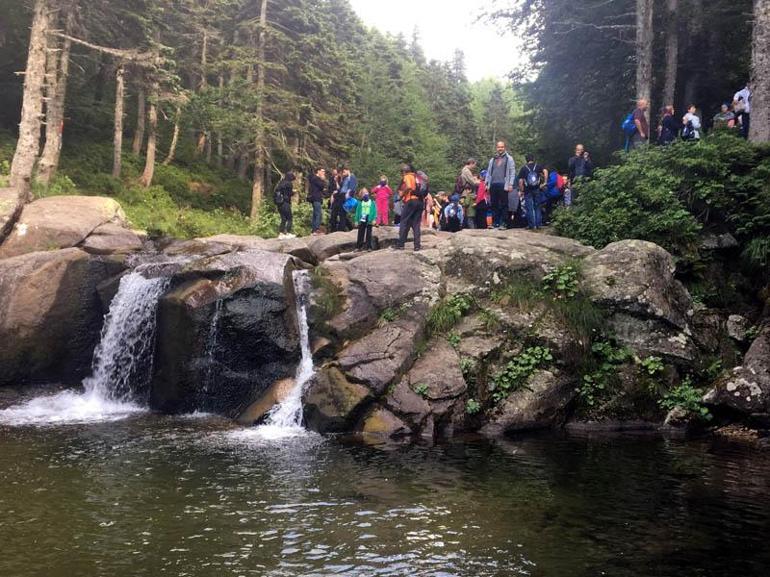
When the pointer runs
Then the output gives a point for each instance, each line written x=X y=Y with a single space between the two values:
x=211 y=349
x=122 y=360
x=285 y=419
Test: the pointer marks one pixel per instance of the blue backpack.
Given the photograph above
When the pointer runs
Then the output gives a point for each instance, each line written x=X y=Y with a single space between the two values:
x=350 y=205
x=629 y=126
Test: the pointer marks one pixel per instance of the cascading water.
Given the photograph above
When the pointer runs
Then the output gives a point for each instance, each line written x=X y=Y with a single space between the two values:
x=285 y=419
x=122 y=360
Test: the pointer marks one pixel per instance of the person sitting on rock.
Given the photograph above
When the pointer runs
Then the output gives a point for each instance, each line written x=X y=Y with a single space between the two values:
x=454 y=215
x=366 y=216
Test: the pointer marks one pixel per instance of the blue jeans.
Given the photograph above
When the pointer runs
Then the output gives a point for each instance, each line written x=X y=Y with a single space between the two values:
x=315 y=222
x=534 y=211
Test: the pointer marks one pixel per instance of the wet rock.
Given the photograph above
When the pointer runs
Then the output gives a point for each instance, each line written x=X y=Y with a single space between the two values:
x=713 y=242
x=383 y=423
x=746 y=389
x=332 y=403
x=541 y=404
x=227 y=330
x=272 y=396
x=50 y=314
x=60 y=222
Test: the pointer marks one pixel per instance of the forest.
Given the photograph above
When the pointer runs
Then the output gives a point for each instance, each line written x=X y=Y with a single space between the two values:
x=188 y=111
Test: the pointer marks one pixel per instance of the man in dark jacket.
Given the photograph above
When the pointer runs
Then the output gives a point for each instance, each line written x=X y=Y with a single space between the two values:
x=316 y=196
x=283 y=194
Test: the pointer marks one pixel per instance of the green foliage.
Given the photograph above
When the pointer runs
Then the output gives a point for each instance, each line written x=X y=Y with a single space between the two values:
x=752 y=332
x=468 y=366
x=454 y=339
x=687 y=397
x=472 y=407
x=670 y=195
x=596 y=384
x=421 y=389
x=562 y=282
x=516 y=373
x=60 y=185
x=652 y=366
x=448 y=313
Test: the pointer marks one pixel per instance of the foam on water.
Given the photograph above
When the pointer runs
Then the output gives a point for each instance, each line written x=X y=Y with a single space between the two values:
x=122 y=360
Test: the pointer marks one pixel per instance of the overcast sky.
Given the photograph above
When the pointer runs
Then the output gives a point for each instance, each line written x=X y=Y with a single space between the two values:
x=444 y=26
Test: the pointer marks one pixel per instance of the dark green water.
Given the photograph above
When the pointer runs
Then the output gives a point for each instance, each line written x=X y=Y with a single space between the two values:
x=154 y=496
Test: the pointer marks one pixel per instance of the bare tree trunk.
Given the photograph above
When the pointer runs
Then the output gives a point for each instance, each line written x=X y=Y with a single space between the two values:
x=209 y=151
x=242 y=165
x=220 y=144
x=141 y=117
x=759 y=130
x=644 y=39
x=58 y=74
x=117 y=137
x=174 y=138
x=258 y=190
x=672 y=51
x=152 y=138
x=28 y=145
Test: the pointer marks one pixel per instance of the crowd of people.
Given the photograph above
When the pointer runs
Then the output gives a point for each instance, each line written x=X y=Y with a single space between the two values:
x=734 y=115
x=498 y=197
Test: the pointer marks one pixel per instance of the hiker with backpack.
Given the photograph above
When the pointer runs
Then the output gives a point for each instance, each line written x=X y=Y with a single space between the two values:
x=382 y=194
x=412 y=192
x=282 y=198
x=347 y=190
x=554 y=192
x=532 y=179
x=501 y=176
x=453 y=215
x=742 y=108
x=668 y=129
x=692 y=124
x=315 y=196
x=366 y=216
x=636 y=127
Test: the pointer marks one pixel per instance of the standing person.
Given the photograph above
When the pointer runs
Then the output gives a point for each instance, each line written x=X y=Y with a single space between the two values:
x=532 y=178
x=331 y=190
x=668 y=129
x=742 y=108
x=691 y=122
x=501 y=175
x=282 y=197
x=725 y=118
x=318 y=185
x=642 y=134
x=481 y=202
x=428 y=218
x=382 y=195
x=347 y=190
x=366 y=216
x=580 y=165
x=412 y=208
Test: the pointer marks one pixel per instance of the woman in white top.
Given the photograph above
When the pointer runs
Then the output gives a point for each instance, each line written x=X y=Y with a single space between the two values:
x=692 y=124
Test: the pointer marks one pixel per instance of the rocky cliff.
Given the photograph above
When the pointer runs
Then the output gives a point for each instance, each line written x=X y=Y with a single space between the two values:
x=485 y=331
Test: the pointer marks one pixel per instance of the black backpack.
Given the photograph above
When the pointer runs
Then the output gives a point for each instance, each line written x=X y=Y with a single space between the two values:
x=278 y=195
x=533 y=177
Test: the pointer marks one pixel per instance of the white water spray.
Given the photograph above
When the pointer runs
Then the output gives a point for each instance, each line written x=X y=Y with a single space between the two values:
x=122 y=359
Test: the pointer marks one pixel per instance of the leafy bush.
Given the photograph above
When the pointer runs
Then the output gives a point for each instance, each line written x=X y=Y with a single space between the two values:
x=668 y=195
x=562 y=282
x=596 y=384
x=516 y=373
x=653 y=366
x=421 y=389
x=472 y=407
x=686 y=397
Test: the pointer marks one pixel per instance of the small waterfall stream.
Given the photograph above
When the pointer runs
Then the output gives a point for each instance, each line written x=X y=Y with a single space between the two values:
x=285 y=419
x=122 y=362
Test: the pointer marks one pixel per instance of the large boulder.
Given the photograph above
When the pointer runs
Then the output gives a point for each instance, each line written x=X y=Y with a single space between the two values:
x=480 y=260
x=541 y=404
x=376 y=282
x=10 y=210
x=746 y=389
x=60 y=222
x=50 y=314
x=297 y=247
x=333 y=404
x=112 y=238
x=227 y=330
x=649 y=309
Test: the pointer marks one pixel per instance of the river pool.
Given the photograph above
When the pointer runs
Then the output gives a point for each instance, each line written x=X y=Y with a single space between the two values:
x=153 y=496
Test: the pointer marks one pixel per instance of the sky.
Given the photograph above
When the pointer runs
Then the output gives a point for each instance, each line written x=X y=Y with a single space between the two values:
x=443 y=27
